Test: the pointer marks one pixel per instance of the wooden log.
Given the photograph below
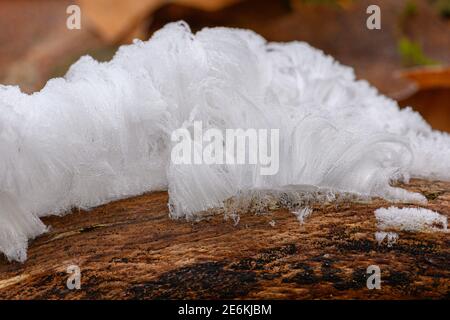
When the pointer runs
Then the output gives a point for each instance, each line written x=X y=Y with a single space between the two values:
x=131 y=249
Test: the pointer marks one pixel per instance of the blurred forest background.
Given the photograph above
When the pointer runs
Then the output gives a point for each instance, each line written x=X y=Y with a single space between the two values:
x=408 y=59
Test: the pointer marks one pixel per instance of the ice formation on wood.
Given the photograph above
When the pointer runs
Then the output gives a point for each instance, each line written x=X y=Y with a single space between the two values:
x=103 y=131
x=302 y=214
x=410 y=219
x=391 y=237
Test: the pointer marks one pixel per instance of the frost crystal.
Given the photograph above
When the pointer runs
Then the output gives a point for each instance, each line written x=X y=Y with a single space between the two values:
x=410 y=219
x=103 y=131
x=302 y=214
x=392 y=237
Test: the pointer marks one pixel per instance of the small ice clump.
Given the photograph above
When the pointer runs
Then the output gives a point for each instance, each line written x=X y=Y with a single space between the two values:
x=103 y=132
x=410 y=219
x=302 y=214
x=392 y=237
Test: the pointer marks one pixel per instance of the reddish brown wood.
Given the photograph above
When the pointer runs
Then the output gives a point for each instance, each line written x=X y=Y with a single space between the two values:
x=130 y=249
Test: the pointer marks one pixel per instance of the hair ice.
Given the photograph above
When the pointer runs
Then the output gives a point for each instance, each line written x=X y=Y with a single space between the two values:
x=103 y=131
x=410 y=219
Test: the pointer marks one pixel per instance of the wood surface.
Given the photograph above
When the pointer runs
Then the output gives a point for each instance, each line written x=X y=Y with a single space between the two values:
x=131 y=249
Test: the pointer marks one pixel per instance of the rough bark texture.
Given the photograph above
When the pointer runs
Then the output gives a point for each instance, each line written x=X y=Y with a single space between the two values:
x=131 y=249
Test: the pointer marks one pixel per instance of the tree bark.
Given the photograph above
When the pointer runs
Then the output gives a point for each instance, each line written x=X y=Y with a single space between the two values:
x=131 y=249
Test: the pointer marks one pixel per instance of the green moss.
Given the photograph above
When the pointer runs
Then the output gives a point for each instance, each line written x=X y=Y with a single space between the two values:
x=412 y=54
